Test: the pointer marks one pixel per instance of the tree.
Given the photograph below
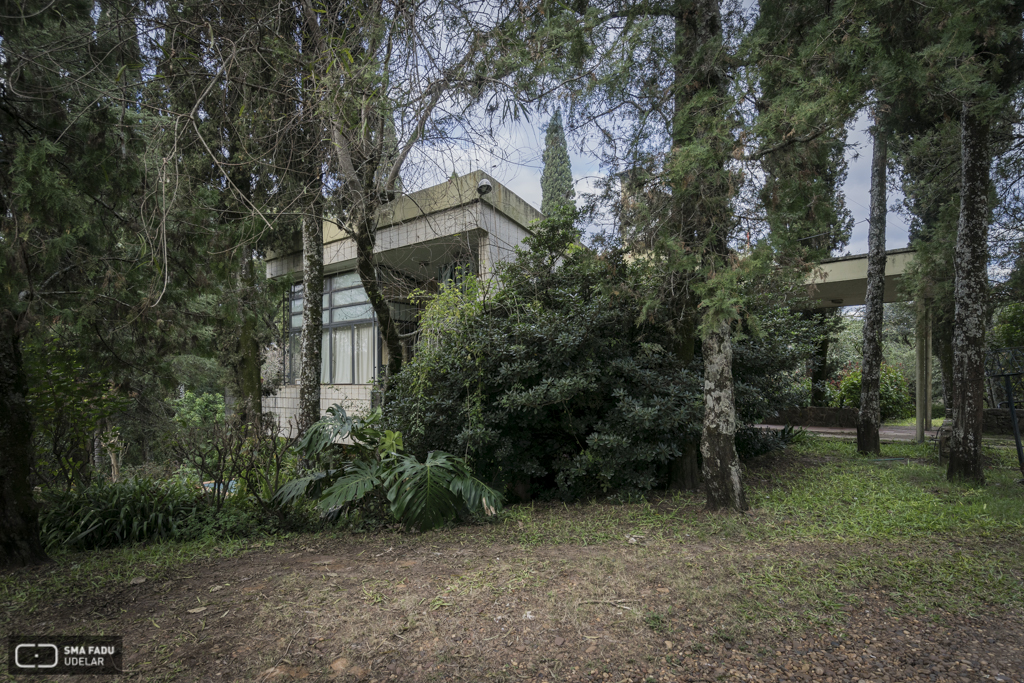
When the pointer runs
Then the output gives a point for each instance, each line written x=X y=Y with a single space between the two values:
x=799 y=126
x=654 y=78
x=869 y=417
x=556 y=184
x=69 y=194
x=378 y=99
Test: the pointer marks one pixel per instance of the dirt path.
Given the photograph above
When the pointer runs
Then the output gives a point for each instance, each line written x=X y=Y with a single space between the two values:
x=409 y=608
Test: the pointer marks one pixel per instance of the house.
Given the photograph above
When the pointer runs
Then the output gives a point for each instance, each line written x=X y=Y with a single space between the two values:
x=469 y=223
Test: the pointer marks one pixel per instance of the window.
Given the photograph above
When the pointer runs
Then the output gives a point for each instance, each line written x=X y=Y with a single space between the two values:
x=349 y=351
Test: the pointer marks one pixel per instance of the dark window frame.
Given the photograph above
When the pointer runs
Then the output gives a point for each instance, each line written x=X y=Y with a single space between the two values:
x=333 y=283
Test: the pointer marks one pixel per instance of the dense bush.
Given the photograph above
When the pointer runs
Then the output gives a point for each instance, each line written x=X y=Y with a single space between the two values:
x=232 y=456
x=893 y=393
x=68 y=404
x=553 y=384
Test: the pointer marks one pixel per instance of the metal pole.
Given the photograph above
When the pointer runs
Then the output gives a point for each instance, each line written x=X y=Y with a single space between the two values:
x=1016 y=427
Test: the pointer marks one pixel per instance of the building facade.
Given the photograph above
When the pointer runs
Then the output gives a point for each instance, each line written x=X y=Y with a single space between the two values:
x=424 y=239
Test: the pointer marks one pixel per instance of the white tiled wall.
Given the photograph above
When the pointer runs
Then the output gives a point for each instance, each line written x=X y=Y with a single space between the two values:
x=355 y=398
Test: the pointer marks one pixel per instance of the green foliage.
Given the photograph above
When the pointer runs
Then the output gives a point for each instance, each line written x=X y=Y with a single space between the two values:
x=1008 y=332
x=104 y=515
x=423 y=495
x=563 y=381
x=198 y=410
x=894 y=396
x=236 y=457
x=69 y=403
x=556 y=184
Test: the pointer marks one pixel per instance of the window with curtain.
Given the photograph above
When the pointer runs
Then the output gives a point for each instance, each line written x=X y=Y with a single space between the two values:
x=349 y=351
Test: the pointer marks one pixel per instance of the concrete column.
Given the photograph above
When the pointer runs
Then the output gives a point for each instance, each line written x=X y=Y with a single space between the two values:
x=923 y=357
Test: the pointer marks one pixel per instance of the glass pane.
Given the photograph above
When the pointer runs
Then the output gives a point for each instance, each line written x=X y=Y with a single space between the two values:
x=297 y=305
x=351 y=313
x=326 y=299
x=364 y=354
x=404 y=312
x=325 y=360
x=348 y=296
x=349 y=279
x=342 y=341
x=296 y=322
x=325 y=317
x=294 y=357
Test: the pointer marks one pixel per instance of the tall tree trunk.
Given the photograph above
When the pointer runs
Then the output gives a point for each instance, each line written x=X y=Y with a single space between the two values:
x=700 y=204
x=312 y=322
x=365 y=243
x=970 y=262
x=722 y=479
x=870 y=417
x=248 y=354
x=20 y=544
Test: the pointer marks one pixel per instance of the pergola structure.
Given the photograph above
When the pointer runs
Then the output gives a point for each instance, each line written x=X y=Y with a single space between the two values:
x=842 y=281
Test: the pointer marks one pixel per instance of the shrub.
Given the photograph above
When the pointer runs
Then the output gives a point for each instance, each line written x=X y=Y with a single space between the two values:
x=564 y=381
x=752 y=442
x=423 y=495
x=104 y=515
x=68 y=403
x=893 y=393
x=198 y=410
x=235 y=457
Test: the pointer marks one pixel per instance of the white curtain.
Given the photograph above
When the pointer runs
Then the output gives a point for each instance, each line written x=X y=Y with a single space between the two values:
x=325 y=368
x=342 y=355
x=364 y=354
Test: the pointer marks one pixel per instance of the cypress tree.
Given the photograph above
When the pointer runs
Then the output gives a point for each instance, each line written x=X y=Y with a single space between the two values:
x=556 y=179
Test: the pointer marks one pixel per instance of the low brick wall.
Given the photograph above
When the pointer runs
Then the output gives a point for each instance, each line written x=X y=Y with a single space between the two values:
x=816 y=417
x=997 y=421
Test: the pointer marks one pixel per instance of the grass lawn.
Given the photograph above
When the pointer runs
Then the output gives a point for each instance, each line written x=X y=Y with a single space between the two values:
x=845 y=565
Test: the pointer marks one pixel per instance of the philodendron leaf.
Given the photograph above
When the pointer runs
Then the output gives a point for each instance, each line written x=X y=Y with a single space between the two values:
x=420 y=495
x=360 y=478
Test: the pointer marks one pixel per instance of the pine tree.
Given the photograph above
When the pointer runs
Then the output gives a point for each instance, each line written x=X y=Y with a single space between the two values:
x=556 y=179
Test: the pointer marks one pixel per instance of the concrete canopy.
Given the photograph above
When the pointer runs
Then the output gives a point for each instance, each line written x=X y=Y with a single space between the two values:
x=843 y=281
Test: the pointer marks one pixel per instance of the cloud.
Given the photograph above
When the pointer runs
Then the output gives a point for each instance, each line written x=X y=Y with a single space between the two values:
x=857 y=190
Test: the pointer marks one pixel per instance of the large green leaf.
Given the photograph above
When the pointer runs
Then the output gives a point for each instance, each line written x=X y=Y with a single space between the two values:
x=478 y=496
x=420 y=492
x=360 y=478
x=312 y=486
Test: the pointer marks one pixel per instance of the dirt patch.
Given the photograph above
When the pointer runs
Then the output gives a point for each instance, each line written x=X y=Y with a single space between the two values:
x=439 y=607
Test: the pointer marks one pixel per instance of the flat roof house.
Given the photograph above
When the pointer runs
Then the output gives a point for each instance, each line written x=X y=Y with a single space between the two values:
x=423 y=239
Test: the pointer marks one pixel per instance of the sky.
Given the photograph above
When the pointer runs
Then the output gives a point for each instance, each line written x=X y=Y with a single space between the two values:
x=514 y=160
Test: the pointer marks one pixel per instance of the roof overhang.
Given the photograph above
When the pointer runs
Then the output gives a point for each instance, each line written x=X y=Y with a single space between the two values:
x=843 y=281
